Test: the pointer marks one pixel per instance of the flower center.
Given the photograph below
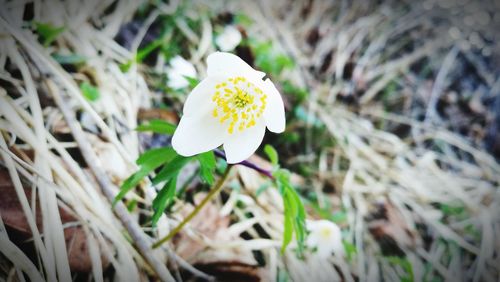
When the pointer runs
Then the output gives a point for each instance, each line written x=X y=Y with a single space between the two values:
x=239 y=103
x=325 y=233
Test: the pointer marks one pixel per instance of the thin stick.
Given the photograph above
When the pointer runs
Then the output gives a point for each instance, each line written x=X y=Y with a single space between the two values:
x=141 y=241
x=214 y=191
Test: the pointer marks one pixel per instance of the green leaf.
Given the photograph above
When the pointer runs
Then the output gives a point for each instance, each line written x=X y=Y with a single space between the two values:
x=272 y=154
x=144 y=52
x=283 y=62
x=405 y=264
x=71 y=59
x=163 y=199
x=221 y=166
x=47 y=32
x=192 y=81
x=288 y=225
x=148 y=161
x=268 y=60
x=157 y=126
x=350 y=250
x=126 y=66
x=300 y=221
x=171 y=169
x=90 y=92
x=132 y=205
x=242 y=19
x=289 y=88
x=207 y=166
x=294 y=214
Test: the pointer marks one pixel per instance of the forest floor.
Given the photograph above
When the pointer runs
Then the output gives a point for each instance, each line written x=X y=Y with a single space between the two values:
x=393 y=133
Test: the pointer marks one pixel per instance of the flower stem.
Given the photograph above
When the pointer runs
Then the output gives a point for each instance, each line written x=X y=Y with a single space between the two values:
x=214 y=191
x=248 y=164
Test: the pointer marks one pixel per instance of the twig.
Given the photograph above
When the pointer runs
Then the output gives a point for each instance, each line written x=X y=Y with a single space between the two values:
x=139 y=238
x=216 y=189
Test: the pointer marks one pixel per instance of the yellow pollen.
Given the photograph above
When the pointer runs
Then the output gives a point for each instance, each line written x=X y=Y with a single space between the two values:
x=240 y=105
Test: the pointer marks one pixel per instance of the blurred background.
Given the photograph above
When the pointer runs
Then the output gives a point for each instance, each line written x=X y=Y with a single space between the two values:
x=393 y=135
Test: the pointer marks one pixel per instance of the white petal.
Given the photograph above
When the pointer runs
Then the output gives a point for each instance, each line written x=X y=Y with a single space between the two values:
x=324 y=251
x=227 y=64
x=274 y=113
x=179 y=68
x=241 y=145
x=198 y=133
x=312 y=240
x=200 y=99
x=183 y=67
x=176 y=81
x=228 y=39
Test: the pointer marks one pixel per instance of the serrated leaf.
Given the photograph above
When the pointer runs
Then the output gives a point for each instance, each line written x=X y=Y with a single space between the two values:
x=157 y=126
x=207 y=166
x=48 y=32
x=272 y=154
x=148 y=161
x=90 y=92
x=150 y=156
x=171 y=169
x=288 y=227
x=294 y=211
x=163 y=199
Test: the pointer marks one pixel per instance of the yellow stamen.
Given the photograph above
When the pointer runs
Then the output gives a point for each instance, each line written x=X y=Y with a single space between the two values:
x=241 y=104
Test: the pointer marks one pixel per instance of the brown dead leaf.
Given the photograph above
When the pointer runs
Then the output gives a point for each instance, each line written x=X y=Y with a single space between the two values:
x=232 y=271
x=208 y=222
x=15 y=221
x=225 y=264
x=148 y=114
x=389 y=228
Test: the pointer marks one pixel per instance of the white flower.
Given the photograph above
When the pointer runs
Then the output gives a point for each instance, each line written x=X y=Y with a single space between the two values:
x=325 y=236
x=228 y=39
x=231 y=106
x=177 y=70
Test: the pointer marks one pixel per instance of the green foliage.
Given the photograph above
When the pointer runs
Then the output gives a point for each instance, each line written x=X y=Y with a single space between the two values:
x=294 y=214
x=272 y=154
x=163 y=199
x=192 y=81
x=132 y=205
x=449 y=209
x=242 y=19
x=350 y=250
x=207 y=166
x=268 y=60
x=405 y=265
x=90 y=92
x=147 y=162
x=299 y=93
x=144 y=52
x=171 y=169
x=157 y=126
x=48 y=32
